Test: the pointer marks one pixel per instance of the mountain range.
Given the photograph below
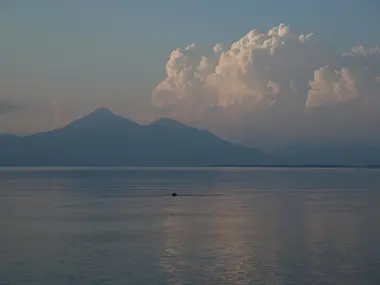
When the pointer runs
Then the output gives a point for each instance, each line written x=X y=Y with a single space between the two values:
x=102 y=138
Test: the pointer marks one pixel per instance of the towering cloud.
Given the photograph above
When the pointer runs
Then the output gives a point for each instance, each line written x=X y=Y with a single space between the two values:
x=267 y=76
x=331 y=86
x=258 y=68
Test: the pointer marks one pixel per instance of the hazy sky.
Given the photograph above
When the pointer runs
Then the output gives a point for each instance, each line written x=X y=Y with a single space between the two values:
x=61 y=59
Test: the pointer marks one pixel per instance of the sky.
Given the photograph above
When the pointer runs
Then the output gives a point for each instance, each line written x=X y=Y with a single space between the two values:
x=62 y=59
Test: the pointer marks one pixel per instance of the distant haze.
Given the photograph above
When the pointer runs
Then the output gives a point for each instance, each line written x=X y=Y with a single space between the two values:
x=266 y=75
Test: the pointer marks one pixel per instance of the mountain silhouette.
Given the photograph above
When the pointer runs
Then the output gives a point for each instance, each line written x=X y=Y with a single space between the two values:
x=167 y=122
x=102 y=138
x=342 y=154
x=101 y=119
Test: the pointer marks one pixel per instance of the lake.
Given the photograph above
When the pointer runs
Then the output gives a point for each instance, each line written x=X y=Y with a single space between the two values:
x=226 y=226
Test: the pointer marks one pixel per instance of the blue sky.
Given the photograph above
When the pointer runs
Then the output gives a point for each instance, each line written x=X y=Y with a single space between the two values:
x=117 y=49
x=130 y=41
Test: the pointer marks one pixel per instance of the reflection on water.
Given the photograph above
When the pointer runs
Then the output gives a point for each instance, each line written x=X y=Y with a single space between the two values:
x=240 y=226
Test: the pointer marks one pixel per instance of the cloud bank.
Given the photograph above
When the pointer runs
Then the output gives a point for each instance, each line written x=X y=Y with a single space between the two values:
x=277 y=85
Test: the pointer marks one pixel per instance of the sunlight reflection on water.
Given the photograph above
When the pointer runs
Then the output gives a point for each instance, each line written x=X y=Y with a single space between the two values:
x=254 y=226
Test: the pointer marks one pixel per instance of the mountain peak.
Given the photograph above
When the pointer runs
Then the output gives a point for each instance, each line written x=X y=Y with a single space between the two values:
x=168 y=122
x=101 y=118
x=102 y=111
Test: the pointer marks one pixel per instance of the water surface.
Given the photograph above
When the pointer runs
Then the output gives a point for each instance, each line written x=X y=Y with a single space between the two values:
x=227 y=226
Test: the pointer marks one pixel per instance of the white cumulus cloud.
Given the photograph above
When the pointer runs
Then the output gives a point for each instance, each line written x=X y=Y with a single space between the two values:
x=331 y=86
x=269 y=75
x=260 y=67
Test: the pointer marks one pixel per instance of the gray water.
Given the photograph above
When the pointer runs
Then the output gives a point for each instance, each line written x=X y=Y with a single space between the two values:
x=227 y=226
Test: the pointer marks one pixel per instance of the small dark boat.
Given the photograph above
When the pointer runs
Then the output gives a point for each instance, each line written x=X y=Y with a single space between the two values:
x=174 y=194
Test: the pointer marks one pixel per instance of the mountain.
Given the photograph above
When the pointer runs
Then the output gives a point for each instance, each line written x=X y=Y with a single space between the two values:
x=101 y=119
x=343 y=154
x=102 y=138
x=168 y=123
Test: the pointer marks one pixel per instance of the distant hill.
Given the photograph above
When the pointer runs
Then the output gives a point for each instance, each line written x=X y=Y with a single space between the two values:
x=343 y=154
x=102 y=138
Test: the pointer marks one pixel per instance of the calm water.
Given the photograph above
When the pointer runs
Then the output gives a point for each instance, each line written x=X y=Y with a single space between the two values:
x=236 y=226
